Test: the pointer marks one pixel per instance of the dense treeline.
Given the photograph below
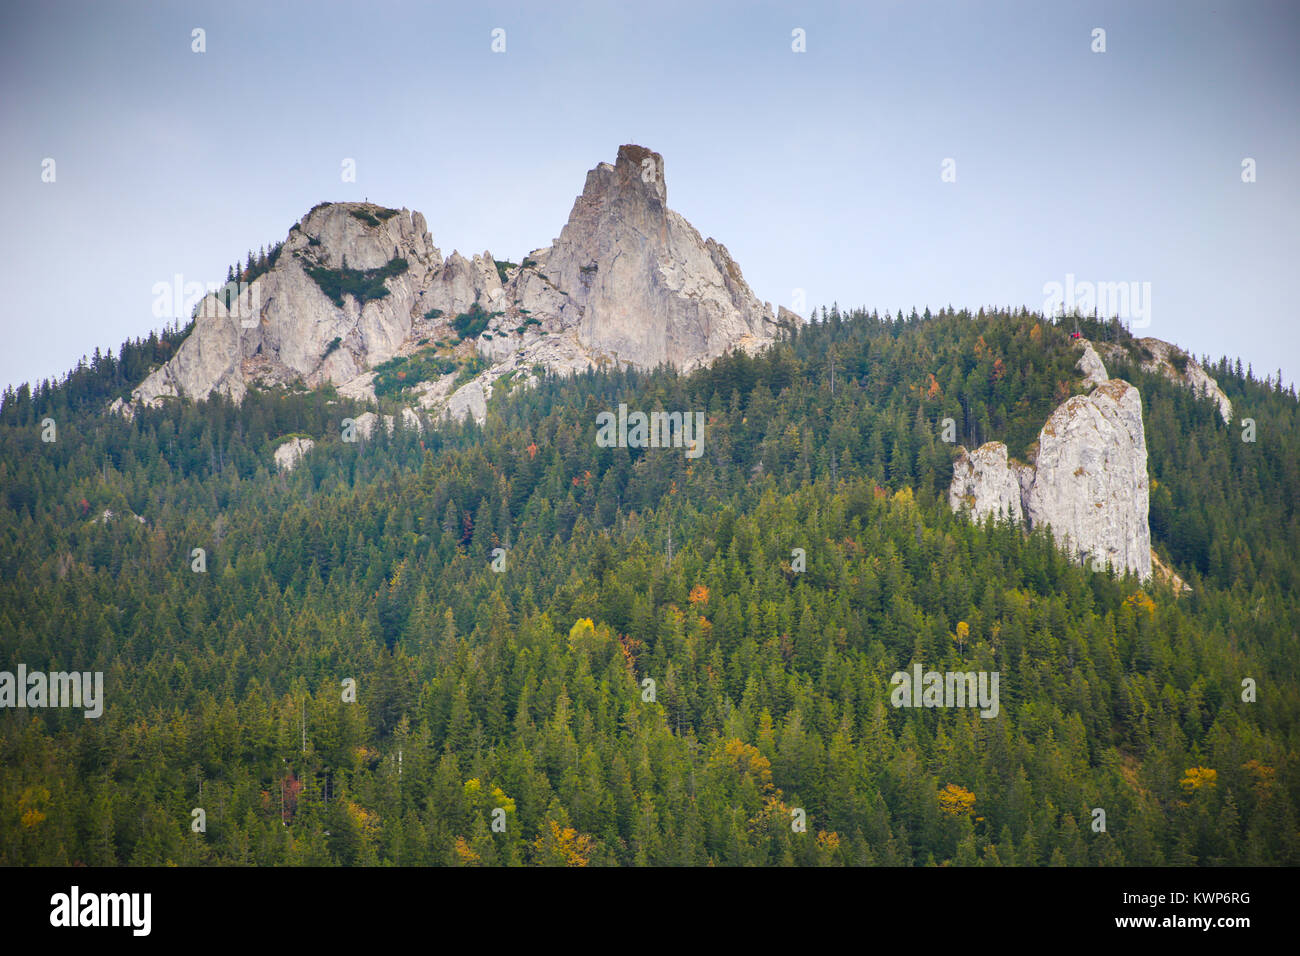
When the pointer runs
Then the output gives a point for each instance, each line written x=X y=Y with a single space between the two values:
x=517 y=695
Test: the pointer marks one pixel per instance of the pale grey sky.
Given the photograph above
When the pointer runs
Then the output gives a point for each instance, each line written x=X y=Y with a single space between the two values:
x=819 y=171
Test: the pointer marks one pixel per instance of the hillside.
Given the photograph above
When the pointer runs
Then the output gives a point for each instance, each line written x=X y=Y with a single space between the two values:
x=522 y=688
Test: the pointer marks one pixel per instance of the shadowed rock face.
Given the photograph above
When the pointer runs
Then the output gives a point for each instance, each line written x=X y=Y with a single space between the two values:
x=628 y=282
x=1088 y=483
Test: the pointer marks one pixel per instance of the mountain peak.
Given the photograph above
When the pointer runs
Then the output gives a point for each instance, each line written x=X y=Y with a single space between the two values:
x=356 y=285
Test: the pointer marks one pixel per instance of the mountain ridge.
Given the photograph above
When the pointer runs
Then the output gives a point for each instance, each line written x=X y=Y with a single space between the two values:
x=627 y=282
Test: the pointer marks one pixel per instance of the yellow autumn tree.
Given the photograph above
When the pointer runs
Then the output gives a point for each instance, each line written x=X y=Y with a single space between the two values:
x=963 y=632
x=956 y=801
x=584 y=636
x=1199 y=778
x=828 y=843
x=1141 y=602
x=465 y=854
x=31 y=804
x=562 y=846
x=747 y=761
x=366 y=821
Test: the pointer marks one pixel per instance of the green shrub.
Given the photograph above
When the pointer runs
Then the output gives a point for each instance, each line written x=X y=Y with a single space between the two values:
x=362 y=284
x=470 y=325
x=404 y=371
x=469 y=369
x=380 y=214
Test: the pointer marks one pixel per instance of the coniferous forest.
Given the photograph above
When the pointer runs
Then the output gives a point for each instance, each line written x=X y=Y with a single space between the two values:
x=645 y=672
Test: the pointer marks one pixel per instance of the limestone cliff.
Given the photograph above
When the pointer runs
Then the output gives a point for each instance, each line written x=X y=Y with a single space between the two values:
x=1088 y=481
x=984 y=483
x=628 y=282
x=1090 y=478
x=286 y=326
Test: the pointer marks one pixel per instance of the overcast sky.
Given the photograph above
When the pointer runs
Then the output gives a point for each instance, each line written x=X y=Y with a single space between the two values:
x=821 y=171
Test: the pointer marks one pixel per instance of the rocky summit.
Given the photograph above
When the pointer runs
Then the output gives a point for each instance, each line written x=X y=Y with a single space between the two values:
x=358 y=291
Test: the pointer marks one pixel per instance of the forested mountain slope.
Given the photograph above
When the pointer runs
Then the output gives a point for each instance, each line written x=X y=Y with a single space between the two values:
x=522 y=688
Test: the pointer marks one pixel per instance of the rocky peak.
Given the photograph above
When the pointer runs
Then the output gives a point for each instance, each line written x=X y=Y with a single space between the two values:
x=362 y=236
x=1091 y=365
x=643 y=287
x=305 y=319
x=628 y=281
x=637 y=176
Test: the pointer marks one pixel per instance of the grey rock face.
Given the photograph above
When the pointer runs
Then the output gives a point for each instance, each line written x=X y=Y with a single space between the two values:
x=1091 y=365
x=643 y=286
x=985 y=484
x=366 y=422
x=1088 y=483
x=1166 y=359
x=284 y=325
x=290 y=453
x=1090 y=479
x=628 y=282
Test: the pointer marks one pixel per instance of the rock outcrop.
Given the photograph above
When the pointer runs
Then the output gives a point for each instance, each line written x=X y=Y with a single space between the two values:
x=985 y=483
x=1090 y=479
x=628 y=282
x=1175 y=364
x=1088 y=482
x=366 y=422
x=642 y=286
x=1179 y=366
x=291 y=324
x=288 y=454
x=1091 y=365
